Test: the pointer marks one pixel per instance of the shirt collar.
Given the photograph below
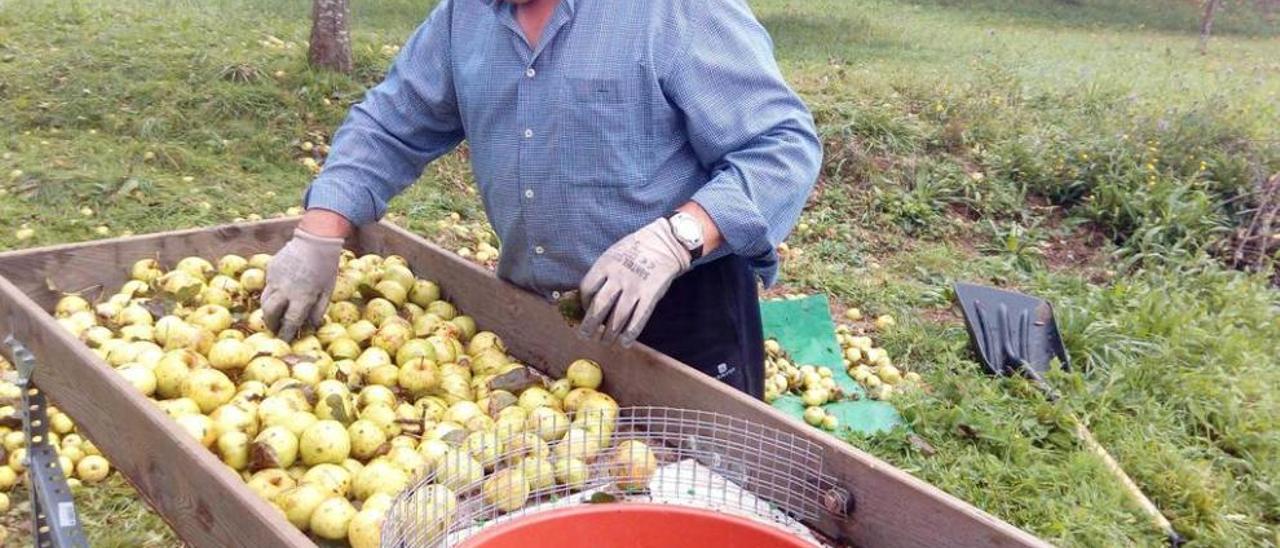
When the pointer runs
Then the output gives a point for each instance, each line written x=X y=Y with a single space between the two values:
x=495 y=4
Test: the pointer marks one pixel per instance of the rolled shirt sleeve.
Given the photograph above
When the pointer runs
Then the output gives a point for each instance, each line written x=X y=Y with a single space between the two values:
x=749 y=130
x=405 y=122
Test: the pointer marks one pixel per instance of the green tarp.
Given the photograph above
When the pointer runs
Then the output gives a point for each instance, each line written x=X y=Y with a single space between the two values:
x=804 y=329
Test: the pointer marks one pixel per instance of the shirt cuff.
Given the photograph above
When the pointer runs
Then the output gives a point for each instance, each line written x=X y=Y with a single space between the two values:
x=743 y=228
x=357 y=204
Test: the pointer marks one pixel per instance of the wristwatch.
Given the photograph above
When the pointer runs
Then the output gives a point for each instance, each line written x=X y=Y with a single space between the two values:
x=688 y=231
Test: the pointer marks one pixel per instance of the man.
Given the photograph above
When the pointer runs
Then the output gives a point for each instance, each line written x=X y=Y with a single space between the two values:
x=648 y=153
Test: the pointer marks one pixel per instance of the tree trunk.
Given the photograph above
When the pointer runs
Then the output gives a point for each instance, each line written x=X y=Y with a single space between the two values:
x=330 y=38
x=1206 y=23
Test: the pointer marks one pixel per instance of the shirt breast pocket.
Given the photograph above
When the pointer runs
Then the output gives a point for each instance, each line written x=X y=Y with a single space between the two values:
x=596 y=90
x=606 y=132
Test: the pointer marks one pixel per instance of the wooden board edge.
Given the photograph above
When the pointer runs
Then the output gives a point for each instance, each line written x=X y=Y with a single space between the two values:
x=88 y=266
x=204 y=503
x=226 y=231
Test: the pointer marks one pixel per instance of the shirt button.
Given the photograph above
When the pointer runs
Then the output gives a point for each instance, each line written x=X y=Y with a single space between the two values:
x=555 y=294
x=539 y=250
x=528 y=193
x=530 y=72
x=528 y=133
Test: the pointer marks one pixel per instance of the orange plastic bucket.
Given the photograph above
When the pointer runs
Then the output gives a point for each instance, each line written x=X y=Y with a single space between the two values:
x=632 y=525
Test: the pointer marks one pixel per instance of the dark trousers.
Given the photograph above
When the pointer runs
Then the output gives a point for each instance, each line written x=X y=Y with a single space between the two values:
x=710 y=320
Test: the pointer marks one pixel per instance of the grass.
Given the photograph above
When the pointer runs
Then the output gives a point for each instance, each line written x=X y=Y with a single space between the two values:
x=110 y=513
x=1084 y=153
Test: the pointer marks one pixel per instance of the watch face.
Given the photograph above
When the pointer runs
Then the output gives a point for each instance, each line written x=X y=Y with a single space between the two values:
x=687 y=229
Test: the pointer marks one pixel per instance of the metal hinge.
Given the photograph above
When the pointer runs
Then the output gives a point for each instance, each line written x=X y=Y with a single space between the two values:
x=54 y=522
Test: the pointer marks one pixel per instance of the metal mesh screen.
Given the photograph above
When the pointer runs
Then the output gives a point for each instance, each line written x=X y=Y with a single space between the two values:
x=694 y=458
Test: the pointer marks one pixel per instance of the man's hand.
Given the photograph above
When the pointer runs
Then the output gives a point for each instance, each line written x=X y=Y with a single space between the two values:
x=626 y=282
x=299 y=282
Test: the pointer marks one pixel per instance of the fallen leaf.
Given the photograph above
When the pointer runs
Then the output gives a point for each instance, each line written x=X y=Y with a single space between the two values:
x=921 y=445
x=516 y=380
x=600 y=497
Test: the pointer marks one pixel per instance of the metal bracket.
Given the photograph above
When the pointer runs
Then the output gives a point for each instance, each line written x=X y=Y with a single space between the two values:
x=54 y=521
x=839 y=502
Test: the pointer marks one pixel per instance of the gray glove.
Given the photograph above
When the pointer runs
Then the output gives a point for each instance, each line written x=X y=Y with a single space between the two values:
x=300 y=279
x=626 y=282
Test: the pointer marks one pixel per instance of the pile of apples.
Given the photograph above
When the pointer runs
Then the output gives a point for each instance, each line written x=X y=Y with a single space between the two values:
x=396 y=386
x=475 y=238
x=79 y=458
x=815 y=385
x=868 y=364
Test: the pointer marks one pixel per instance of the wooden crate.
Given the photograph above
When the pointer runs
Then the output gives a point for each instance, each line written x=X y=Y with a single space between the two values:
x=207 y=505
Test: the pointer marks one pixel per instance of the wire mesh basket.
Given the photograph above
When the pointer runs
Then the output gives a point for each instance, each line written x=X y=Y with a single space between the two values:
x=634 y=454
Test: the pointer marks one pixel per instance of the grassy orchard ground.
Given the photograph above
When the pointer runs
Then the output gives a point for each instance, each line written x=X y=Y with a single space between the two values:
x=1086 y=154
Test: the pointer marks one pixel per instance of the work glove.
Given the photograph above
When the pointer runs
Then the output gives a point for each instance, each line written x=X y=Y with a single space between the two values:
x=300 y=279
x=625 y=283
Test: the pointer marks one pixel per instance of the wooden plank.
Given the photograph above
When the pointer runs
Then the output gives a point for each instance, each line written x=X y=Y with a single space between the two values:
x=77 y=266
x=204 y=502
x=893 y=507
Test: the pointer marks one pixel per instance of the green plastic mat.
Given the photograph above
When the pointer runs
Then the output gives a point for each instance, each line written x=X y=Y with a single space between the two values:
x=804 y=329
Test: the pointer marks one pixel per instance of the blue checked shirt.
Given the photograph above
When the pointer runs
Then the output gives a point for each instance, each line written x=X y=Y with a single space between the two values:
x=624 y=110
